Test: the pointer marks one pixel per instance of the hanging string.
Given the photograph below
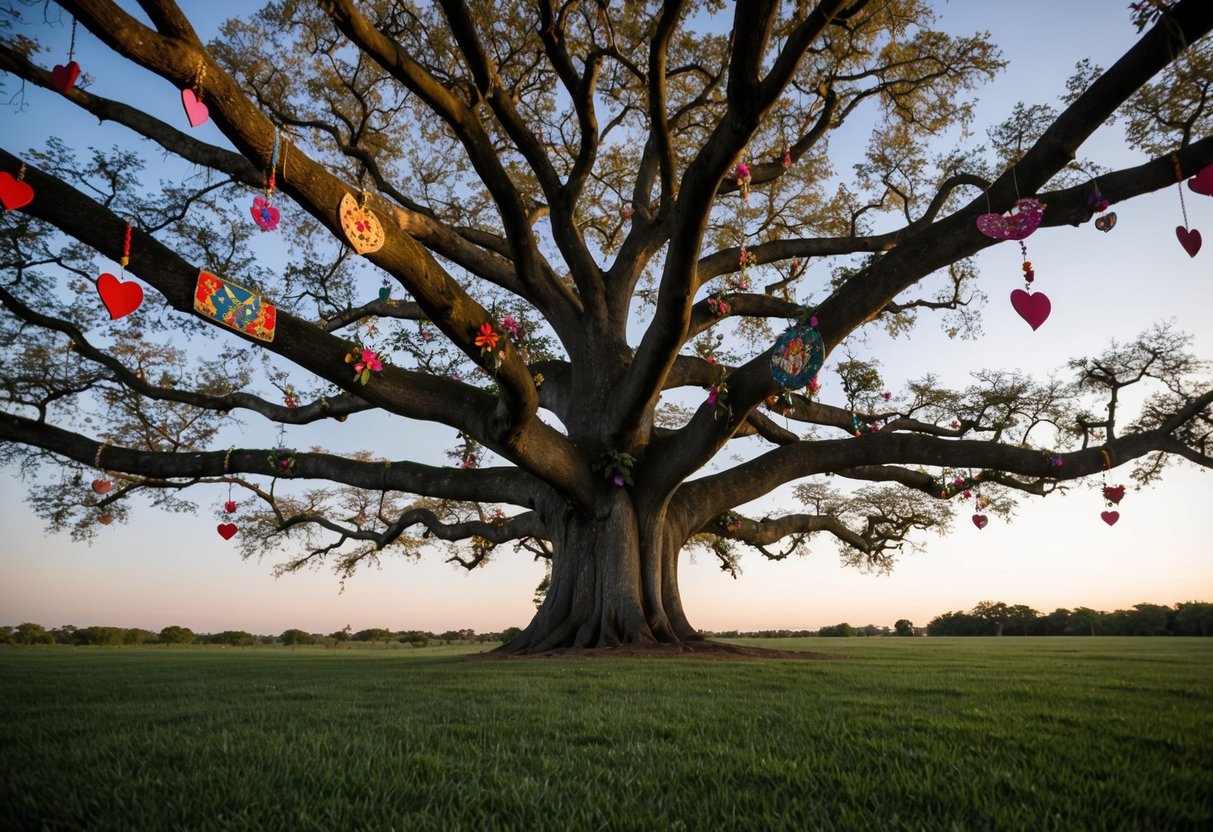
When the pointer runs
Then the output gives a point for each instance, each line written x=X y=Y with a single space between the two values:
x=1182 y=206
x=71 y=49
x=126 y=249
x=270 y=179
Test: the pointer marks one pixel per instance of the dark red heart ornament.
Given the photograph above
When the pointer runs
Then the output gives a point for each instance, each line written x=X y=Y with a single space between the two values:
x=226 y=530
x=229 y=506
x=195 y=110
x=1114 y=495
x=1033 y=308
x=1110 y=517
x=980 y=520
x=119 y=298
x=1189 y=239
x=1202 y=183
x=102 y=486
x=14 y=194
x=64 y=77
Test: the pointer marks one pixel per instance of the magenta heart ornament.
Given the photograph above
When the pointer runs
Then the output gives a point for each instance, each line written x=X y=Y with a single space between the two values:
x=1189 y=239
x=1110 y=517
x=1017 y=225
x=1033 y=308
x=195 y=110
x=1202 y=183
x=980 y=520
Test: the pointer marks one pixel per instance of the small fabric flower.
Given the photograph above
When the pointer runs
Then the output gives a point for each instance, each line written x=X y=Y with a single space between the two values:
x=488 y=338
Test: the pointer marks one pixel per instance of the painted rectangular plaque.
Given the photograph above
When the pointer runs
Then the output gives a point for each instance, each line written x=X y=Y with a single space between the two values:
x=234 y=306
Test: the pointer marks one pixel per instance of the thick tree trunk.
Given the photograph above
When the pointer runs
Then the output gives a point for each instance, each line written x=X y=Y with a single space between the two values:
x=614 y=581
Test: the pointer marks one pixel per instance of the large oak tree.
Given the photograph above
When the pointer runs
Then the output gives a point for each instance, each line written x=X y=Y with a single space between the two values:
x=575 y=200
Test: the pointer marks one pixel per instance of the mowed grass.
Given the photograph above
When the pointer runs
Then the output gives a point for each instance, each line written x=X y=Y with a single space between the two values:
x=913 y=734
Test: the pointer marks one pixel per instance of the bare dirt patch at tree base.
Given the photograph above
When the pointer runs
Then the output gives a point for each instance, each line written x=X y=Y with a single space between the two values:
x=711 y=650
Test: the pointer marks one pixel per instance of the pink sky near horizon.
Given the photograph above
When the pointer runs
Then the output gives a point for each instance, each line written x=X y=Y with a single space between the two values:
x=173 y=569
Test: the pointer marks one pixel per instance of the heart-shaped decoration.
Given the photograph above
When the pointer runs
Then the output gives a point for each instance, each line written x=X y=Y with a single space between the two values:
x=63 y=77
x=1202 y=183
x=195 y=110
x=119 y=298
x=360 y=225
x=102 y=486
x=1033 y=308
x=1107 y=222
x=14 y=194
x=229 y=506
x=226 y=530
x=385 y=292
x=1110 y=517
x=265 y=215
x=105 y=519
x=980 y=520
x=1189 y=239
x=1014 y=226
x=1114 y=494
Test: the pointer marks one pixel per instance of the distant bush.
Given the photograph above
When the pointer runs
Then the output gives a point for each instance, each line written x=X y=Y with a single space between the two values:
x=842 y=630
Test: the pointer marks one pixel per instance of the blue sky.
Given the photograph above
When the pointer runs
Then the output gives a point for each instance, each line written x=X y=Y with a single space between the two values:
x=171 y=569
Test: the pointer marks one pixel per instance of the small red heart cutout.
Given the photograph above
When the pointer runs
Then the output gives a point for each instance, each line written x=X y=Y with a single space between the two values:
x=119 y=298
x=1113 y=495
x=980 y=520
x=1202 y=183
x=102 y=486
x=105 y=519
x=63 y=77
x=1189 y=239
x=229 y=506
x=1033 y=308
x=226 y=530
x=14 y=194
x=195 y=110
x=1110 y=517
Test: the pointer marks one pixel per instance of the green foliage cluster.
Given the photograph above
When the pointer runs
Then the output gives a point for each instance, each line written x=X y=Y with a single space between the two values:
x=989 y=618
x=906 y=734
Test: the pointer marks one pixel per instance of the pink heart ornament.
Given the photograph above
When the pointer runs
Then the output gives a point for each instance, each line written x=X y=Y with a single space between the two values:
x=1189 y=239
x=265 y=215
x=1202 y=183
x=980 y=520
x=195 y=110
x=226 y=530
x=14 y=194
x=102 y=486
x=64 y=77
x=1110 y=517
x=119 y=298
x=1014 y=226
x=1033 y=308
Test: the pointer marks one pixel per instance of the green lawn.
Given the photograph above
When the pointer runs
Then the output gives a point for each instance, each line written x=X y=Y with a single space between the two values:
x=930 y=734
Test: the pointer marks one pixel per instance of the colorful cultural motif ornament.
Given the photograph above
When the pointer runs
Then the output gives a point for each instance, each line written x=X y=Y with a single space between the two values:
x=234 y=306
x=798 y=355
x=360 y=225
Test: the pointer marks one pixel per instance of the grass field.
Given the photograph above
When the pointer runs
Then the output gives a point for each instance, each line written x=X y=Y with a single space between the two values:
x=913 y=734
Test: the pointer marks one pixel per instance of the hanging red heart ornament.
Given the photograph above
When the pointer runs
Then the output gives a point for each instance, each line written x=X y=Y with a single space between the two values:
x=64 y=77
x=14 y=193
x=1189 y=239
x=120 y=298
x=1014 y=226
x=102 y=486
x=229 y=506
x=226 y=530
x=1110 y=517
x=980 y=520
x=195 y=110
x=1033 y=308
x=1114 y=494
x=1202 y=183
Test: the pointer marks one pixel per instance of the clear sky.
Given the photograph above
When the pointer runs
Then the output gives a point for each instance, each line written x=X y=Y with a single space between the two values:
x=173 y=569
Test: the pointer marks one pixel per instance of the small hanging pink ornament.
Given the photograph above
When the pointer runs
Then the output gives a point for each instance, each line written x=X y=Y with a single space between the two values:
x=1189 y=238
x=1017 y=225
x=265 y=215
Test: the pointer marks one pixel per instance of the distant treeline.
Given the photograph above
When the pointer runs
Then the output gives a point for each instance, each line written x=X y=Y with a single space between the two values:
x=29 y=633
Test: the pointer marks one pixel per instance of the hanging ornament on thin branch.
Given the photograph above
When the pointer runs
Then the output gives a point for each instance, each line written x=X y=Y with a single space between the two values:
x=1099 y=204
x=227 y=530
x=15 y=192
x=1033 y=308
x=63 y=77
x=1188 y=237
x=1112 y=494
x=1017 y=225
x=120 y=297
